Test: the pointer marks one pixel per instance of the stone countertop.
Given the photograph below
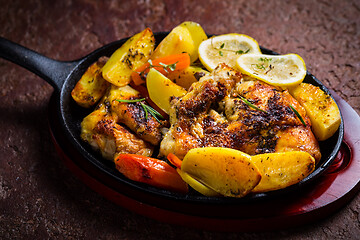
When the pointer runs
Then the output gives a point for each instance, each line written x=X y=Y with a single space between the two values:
x=41 y=199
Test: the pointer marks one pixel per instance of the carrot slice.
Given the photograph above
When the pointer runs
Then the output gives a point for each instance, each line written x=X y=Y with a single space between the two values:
x=177 y=62
x=151 y=171
x=174 y=160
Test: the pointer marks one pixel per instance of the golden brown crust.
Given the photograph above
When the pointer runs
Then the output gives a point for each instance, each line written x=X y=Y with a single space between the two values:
x=214 y=113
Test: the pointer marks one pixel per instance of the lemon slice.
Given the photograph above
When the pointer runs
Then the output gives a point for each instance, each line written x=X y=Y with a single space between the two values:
x=278 y=70
x=226 y=49
x=196 y=185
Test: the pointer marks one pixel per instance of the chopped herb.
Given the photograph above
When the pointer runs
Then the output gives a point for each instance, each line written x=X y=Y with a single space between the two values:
x=166 y=67
x=298 y=115
x=251 y=105
x=147 y=108
x=260 y=66
x=265 y=59
x=242 y=52
x=229 y=50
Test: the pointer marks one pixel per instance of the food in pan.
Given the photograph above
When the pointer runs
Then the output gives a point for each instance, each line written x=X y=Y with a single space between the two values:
x=214 y=114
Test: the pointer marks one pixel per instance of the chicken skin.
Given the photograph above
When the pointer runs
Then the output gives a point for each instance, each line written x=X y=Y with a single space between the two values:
x=117 y=127
x=102 y=132
x=225 y=110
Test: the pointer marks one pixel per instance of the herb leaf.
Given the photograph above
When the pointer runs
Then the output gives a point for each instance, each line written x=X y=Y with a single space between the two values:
x=298 y=115
x=251 y=105
x=131 y=100
x=221 y=47
x=166 y=67
x=147 y=108
x=242 y=52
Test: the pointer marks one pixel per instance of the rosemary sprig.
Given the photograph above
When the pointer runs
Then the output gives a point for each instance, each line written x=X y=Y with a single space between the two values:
x=130 y=100
x=251 y=105
x=147 y=109
x=298 y=115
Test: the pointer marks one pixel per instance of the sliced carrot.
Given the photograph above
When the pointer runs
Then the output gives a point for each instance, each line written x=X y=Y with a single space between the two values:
x=179 y=61
x=151 y=171
x=174 y=160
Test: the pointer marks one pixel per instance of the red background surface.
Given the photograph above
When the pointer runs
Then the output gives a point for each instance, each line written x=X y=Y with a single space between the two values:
x=39 y=196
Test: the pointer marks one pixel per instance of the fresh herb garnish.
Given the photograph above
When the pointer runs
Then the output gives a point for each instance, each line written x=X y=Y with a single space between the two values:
x=265 y=62
x=260 y=66
x=229 y=50
x=265 y=59
x=298 y=115
x=242 y=52
x=166 y=67
x=251 y=105
x=146 y=108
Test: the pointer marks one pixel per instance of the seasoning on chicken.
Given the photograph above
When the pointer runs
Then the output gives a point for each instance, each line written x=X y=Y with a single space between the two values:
x=224 y=110
x=102 y=132
x=133 y=114
x=117 y=127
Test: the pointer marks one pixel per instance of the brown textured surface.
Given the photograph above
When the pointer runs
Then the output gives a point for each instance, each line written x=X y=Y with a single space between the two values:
x=40 y=198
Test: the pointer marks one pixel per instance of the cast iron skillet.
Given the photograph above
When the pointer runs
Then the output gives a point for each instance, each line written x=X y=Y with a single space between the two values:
x=63 y=77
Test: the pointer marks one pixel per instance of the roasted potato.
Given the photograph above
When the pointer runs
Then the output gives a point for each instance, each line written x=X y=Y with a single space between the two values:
x=321 y=109
x=280 y=170
x=91 y=86
x=131 y=55
x=196 y=185
x=186 y=37
x=227 y=171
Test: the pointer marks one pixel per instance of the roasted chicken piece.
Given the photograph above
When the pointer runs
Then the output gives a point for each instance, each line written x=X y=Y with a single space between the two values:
x=102 y=132
x=133 y=115
x=121 y=127
x=224 y=110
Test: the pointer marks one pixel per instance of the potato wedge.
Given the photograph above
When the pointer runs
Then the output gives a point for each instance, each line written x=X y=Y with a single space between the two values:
x=161 y=89
x=184 y=78
x=186 y=37
x=321 y=109
x=131 y=55
x=196 y=185
x=226 y=171
x=280 y=170
x=91 y=86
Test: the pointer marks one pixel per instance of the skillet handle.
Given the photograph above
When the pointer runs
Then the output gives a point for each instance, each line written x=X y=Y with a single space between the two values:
x=52 y=71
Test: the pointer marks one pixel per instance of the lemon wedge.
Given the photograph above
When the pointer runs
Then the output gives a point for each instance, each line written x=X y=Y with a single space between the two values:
x=226 y=49
x=278 y=70
x=196 y=185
